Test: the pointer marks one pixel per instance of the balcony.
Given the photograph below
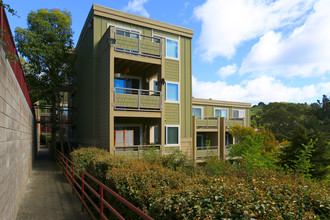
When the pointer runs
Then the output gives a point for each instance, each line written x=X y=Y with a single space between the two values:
x=212 y=122
x=133 y=42
x=137 y=99
x=235 y=121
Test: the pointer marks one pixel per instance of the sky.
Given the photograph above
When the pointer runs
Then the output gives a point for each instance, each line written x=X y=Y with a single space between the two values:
x=243 y=50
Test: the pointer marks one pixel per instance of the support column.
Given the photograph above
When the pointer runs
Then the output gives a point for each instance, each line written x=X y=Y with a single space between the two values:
x=162 y=76
x=221 y=138
x=194 y=139
x=111 y=103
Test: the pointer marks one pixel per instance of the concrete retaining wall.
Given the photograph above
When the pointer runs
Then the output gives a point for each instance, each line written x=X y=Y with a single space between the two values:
x=16 y=141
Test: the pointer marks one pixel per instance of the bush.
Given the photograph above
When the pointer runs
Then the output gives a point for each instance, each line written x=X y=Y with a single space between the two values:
x=161 y=188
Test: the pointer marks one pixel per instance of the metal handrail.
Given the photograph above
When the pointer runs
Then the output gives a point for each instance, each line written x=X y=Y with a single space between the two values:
x=68 y=168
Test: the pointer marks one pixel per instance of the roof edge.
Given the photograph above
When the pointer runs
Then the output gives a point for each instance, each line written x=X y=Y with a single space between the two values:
x=141 y=21
x=220 y=103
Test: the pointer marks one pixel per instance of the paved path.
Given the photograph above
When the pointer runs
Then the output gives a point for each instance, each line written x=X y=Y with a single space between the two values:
x=48 y=196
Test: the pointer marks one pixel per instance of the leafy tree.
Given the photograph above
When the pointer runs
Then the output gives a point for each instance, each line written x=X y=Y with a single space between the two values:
x=45 y=44
x=257 y=148
x=320 y=159
x=282 y=118
x=303 y=162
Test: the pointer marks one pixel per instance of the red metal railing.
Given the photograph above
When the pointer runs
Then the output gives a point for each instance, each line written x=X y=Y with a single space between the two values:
x=16 y=66
x=68 y=167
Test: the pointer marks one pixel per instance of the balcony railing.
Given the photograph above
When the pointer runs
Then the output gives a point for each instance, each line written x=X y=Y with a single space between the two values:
x=135 y=43
x=135 y=151
x=207 y=122
x=235 y=121
x=137 y=99
x=212 y=122
x=206 y=151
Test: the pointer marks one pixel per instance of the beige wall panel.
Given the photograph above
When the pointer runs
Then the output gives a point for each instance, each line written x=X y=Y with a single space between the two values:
x=17 y=143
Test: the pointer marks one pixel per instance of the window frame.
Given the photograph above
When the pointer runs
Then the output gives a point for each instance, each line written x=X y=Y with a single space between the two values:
x=200 y=107
x=221 y=109
x=166 y=135
x=243 y=110
x=166 y=87
x=178 y=43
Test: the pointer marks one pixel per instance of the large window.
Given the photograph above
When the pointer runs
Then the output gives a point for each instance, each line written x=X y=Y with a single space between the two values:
x=219 y=112
x=172 y=92
x=172 y=135
x=198 y=112
x=238 y=113
x=172 y=48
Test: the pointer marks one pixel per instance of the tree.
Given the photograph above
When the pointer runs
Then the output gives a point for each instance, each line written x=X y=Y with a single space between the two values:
x=45 y=44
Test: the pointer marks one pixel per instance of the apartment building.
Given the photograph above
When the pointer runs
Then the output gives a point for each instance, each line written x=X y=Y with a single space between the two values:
x=134 y=89
x=212 y=120
x=133 y=84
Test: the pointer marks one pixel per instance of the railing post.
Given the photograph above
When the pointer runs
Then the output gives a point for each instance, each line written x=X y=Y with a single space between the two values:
x=72 y=179
x=82 y=191
x=139 y=43
x=66 y=170
x=160 y=100
x=101 y=202
x=139 y=98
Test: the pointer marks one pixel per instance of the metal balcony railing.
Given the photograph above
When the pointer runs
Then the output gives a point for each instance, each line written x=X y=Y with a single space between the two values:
x=139 y=44
x=134 y=151
x=137 y=99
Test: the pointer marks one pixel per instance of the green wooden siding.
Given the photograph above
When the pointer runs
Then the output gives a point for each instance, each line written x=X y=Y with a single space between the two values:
x=84 y=98
x=150 y=47
x=127 y=43
x=131 y=100
x=165 y=34
x=186 y=87
x=171 y=70
x=172 y=114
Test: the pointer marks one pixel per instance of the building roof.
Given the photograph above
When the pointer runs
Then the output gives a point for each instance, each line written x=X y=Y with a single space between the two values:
x=196 y=101
x=102 y=11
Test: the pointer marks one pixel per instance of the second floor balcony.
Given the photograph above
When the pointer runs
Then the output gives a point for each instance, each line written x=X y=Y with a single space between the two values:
x=212 y=122
x=137 y=99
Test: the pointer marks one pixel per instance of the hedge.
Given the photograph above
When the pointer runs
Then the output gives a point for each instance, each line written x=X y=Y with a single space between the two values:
x=171 y=193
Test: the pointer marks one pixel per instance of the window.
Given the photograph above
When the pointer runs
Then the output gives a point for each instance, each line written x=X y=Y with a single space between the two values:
x=172 y=135
x=127 y=33
x=172 y=92
x=129 y=83
x=218 y=112
x=198 y=112
x=172 y=48
x=238 y=113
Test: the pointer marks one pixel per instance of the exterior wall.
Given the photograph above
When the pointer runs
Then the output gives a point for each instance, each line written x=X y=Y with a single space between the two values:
x=186 y=89
x=208 y=109
x=103 y=79
x=84 y=99
x=17 y=147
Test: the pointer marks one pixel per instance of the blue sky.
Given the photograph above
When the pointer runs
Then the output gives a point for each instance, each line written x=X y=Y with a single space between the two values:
x=243 y=50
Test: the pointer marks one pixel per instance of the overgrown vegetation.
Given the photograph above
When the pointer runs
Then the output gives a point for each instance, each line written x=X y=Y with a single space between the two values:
x=171 y=187
x=298 y=125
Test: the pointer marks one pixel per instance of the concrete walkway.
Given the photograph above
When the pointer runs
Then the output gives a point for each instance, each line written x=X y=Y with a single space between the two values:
x=48 y=196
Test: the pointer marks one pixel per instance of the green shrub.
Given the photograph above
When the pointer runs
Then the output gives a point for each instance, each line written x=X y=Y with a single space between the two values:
x=160 y=188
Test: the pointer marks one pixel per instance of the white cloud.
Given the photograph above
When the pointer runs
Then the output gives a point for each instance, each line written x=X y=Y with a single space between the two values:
x=136 y=6
x=227 y=24
x=227 y=70
x=263 y=88
x=305 y=52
